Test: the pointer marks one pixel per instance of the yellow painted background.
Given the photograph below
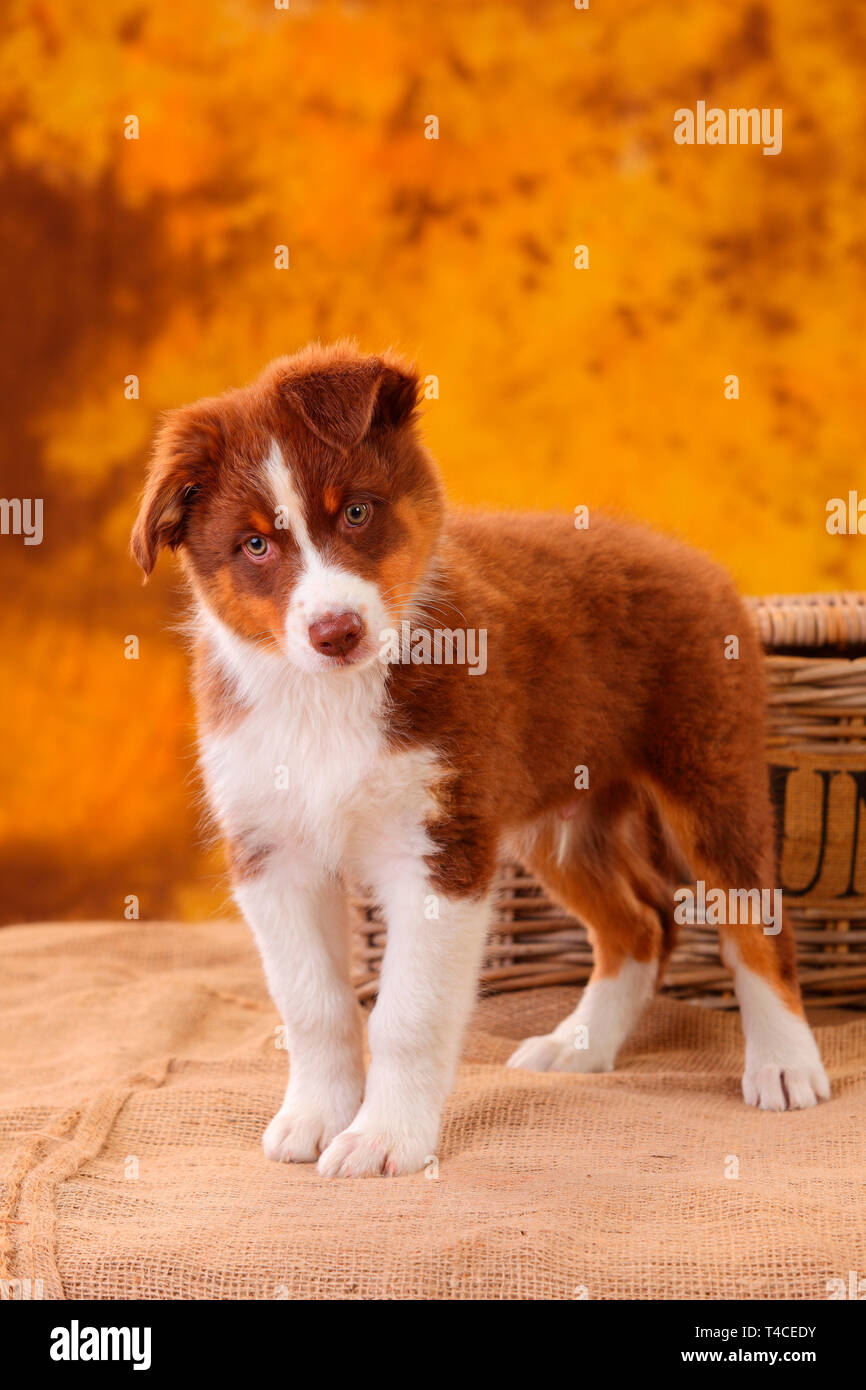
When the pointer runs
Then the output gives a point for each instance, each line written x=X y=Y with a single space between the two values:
x=557 y=387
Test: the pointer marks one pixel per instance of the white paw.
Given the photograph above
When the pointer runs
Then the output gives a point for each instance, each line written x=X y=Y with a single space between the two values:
x=301 y=1130
x=774 y=1086
x=361 y=1153
x=783 y=1065
x=550 y=1053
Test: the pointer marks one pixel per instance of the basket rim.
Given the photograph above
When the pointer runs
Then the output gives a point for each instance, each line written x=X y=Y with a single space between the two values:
x=810 y=621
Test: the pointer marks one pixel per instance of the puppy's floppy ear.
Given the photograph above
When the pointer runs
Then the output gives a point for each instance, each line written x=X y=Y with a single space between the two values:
x=341 y=401
x=188 y=450
x=398 y=397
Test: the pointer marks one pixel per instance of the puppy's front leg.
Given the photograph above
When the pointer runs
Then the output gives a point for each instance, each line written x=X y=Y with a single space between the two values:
x=299 y=920
x=428 y=987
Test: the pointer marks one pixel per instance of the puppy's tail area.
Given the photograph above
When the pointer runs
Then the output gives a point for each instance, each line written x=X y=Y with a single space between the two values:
x=664 y=870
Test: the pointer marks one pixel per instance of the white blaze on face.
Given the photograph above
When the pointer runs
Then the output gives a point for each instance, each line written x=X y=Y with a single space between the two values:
x=323 y=589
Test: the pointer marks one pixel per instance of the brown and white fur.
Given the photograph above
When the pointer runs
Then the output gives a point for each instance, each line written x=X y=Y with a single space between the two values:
x=325 y=763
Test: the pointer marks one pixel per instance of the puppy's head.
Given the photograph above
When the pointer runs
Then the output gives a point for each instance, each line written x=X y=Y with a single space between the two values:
x=305 y=508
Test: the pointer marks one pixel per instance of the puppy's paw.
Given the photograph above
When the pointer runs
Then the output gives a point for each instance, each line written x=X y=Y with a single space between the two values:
x=550 y=1053
x=361 y=1153
x=301 y=1130
x=775 y=1086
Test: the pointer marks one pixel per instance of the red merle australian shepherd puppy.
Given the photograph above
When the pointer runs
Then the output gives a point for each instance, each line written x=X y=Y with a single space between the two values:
x=396 y=694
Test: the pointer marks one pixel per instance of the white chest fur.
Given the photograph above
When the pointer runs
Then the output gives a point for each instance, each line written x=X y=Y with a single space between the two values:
x=306 y=764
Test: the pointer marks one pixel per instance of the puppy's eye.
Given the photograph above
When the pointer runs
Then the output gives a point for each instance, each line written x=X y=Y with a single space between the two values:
x=257 y=547
x=357 y=513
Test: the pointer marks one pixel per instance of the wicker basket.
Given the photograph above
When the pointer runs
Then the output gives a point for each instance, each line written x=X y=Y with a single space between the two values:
x=816 y=665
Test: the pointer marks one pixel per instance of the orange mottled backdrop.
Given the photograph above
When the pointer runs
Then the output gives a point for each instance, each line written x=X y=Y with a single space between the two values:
x=308 y=127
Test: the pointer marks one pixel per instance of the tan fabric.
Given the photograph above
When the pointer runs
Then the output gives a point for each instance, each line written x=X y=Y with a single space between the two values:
x=154 y=1046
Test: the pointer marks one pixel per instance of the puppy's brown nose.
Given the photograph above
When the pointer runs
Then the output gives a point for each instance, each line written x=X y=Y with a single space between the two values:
x=336 y=634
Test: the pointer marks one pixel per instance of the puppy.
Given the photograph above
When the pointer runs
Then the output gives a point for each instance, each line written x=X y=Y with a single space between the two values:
x=607 y=739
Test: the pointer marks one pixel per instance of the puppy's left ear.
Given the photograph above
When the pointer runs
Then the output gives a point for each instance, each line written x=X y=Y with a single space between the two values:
x=342 y=401
x=187 y=452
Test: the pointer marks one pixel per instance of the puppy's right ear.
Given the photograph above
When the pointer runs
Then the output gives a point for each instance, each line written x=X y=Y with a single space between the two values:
x=188 y=450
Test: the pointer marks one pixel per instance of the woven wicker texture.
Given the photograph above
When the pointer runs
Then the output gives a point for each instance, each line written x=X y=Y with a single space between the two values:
x=811 y=620
x=817 y=749
x=139 y=1069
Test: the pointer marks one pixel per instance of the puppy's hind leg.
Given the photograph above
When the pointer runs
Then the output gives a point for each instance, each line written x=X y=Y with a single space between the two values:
x=606 y=881
x=731 y=847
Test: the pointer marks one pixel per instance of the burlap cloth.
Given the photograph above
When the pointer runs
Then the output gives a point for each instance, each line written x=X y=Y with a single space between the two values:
x=139 y=1067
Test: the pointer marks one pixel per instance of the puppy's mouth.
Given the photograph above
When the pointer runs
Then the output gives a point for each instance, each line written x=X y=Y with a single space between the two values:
x=358 y=657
